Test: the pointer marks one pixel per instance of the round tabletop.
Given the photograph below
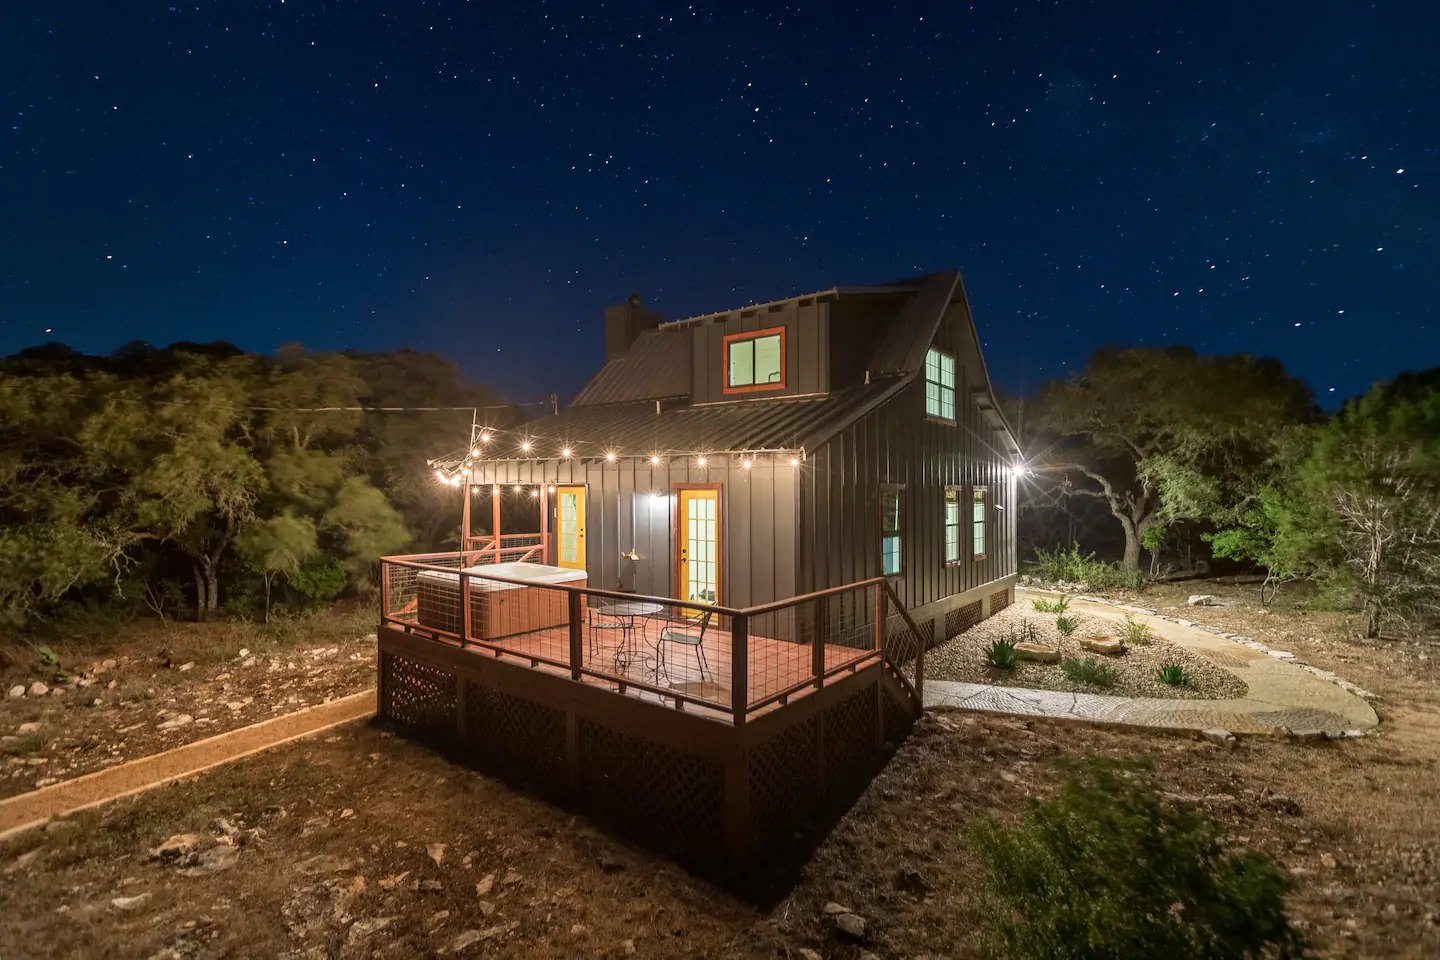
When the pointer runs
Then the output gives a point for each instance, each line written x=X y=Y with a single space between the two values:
x=629 y=608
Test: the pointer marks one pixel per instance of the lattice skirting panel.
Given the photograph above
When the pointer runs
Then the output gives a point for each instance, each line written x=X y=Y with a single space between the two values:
x=960 y=619
x=736 y=795
x=999 y=600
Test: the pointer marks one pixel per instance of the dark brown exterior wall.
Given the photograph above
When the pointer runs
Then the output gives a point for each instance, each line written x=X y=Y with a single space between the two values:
x=841 y=482
x=807 y=343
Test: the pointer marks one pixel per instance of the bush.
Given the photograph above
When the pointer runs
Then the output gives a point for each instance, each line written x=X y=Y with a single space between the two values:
x=320 y=581
x=1175 y=675
x=1052 y=606
x=1089 y=672
x=1067 y=625
x=1107 y=869
x=1074 y=566
x=1002 y=655
x=1135 y=632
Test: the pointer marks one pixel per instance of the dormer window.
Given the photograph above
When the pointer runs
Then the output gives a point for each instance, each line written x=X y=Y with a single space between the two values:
x=755 y=361
x=939 y=385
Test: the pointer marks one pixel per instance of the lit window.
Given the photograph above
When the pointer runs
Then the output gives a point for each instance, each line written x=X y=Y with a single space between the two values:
x=755 y=361
x=891 y=539
x=977 y=525
x=939 y=385
x=952 y=526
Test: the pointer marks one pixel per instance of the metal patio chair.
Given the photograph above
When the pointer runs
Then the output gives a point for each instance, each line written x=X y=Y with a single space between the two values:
x=687 y=636
x=601 y=624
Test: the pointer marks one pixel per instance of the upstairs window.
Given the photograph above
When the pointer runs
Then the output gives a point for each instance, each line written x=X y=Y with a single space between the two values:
x=755 y=361
x=952 y=524
x=891 y=539
x=977 y=524
x=939 y=385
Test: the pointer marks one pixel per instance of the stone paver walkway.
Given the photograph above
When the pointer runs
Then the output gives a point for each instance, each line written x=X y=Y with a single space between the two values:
x=144 y=773
x=1281 y=695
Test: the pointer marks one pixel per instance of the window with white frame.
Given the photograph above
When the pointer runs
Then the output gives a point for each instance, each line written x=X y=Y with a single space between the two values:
x=891 y=537
x=952 y=524
x=939 y=385
x=977 y=523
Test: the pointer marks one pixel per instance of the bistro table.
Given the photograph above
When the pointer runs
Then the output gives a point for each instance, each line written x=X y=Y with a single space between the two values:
x=627 y=612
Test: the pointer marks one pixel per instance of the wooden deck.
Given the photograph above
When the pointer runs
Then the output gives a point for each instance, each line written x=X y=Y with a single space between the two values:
x=635 y=655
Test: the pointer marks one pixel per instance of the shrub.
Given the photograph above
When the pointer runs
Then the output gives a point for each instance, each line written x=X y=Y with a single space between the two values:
x=1001 y=655
x=1067 y=625
x=1089 y=672
x=1052 y=606
x=1108 y=869
x=1074 y=566
x=1175 y=675
x=1135 y=632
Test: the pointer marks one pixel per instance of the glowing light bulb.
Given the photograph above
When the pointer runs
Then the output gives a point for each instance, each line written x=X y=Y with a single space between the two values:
x=475 y=452
x=519 y=489
x=794 y=461
x=700 y=461
x=440 y=475
x=654 y=459
x=609 y=456
x=484 y=438
x=525 y=446
x=552 y=488
x=535 y=492
x=747 y=464
x=565 y=452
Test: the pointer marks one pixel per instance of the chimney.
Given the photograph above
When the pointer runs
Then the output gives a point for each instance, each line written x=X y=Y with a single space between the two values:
x=624 y=322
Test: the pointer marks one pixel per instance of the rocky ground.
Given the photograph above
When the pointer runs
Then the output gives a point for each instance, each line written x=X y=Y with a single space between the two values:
x=1137 y=669
x=364 y=844
x=157 y=685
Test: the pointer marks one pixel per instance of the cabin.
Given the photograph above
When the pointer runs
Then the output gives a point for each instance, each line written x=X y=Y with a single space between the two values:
x=749 y=526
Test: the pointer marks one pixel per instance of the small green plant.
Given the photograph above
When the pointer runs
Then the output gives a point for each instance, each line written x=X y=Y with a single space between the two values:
x=1002 y=655
x=1067 y=625
x=1136 y=633
x=1076 y=567
x=1175 y=675
x=1089 y=672
x=1052 y=606
x=1110 y=869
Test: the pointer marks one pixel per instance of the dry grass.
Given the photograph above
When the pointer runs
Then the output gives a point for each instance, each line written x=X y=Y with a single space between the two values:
x=1137 y=669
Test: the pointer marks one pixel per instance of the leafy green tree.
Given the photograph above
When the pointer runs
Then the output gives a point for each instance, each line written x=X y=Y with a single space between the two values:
x=1163 y=434
x=277 y=548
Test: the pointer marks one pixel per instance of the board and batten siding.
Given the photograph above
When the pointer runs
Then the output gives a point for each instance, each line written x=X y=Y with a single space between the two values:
x=622 y=513
x=807 y=348
x=896 y=444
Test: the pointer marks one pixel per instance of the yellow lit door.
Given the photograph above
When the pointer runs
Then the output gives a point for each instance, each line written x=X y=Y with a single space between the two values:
x=570 y=527
x=698 y=574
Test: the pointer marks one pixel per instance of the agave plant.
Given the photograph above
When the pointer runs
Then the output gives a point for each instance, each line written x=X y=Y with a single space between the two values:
x=1175 y=675
x=1002 y=655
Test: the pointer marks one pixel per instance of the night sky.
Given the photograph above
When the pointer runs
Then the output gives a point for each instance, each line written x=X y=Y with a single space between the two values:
x=480 y=179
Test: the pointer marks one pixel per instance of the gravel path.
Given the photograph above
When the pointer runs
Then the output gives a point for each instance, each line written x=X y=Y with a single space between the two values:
x=963 y=659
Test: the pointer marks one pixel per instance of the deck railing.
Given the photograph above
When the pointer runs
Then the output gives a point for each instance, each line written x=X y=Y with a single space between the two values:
x=734 y=662
x=507 y=548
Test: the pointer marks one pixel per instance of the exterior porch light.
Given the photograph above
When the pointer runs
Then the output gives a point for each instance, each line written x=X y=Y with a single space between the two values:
x=552 y=488
x=747 y=463
x=565 y=453
x=700 y=460
x=794 y=461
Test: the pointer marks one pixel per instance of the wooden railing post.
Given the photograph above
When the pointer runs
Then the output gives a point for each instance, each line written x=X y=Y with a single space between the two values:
x=384 y=591
x=739 y=667
x=881 y=614
x=577 y=638
x=465 y=624
x=817 y=640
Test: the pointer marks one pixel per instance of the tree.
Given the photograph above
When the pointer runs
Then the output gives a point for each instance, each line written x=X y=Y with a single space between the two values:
x=277 y=547
x=1162 y=435
x=1362 y=513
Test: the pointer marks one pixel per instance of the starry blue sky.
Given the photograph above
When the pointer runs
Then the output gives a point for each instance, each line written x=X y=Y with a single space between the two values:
x=481 y=178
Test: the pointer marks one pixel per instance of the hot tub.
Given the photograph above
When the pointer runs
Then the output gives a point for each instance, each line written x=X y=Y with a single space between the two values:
x=497 y=610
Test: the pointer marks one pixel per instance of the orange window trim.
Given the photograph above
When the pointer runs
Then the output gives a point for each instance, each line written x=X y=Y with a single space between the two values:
x=754 y=335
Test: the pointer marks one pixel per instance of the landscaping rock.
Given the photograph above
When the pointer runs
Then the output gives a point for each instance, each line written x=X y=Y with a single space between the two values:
x=485 y=885
x=176 y=847
x=436 y=852
x=16 y=692
x=129 y=903
x=1038 y=652
x=361 y=929
x=38 y=689
x=1204 y=600
x=1109 y=646
x=851 y=925
x=176 y=722
x=1218 y=736
x=805 y=953
x=833 y=909
x=27 y=728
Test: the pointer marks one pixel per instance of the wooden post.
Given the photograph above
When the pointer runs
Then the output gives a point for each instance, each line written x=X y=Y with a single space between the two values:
x=920 y=668
x=577 y=638
x=465 y=520
x=464 y=608
x=544 y=523
x=495 y=522
x=739 y=667
x=384 y=591
x=881 y=614
x=817 y=641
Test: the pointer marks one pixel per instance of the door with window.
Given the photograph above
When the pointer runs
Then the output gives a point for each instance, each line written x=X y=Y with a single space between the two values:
x=570 y=527
x=697 y=539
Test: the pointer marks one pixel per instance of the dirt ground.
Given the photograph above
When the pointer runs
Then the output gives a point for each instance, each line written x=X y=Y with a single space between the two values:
x=154 y=685
x=331 y=847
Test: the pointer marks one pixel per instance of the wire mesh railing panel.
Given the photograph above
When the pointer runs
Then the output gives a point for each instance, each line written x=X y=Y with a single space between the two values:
x=665 y=645
x=803 y=642
x=402 y=587
x=531 y=619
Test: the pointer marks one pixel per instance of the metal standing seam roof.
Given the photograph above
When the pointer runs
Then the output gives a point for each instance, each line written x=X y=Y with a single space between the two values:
x=657 y=365
x=638 y=430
